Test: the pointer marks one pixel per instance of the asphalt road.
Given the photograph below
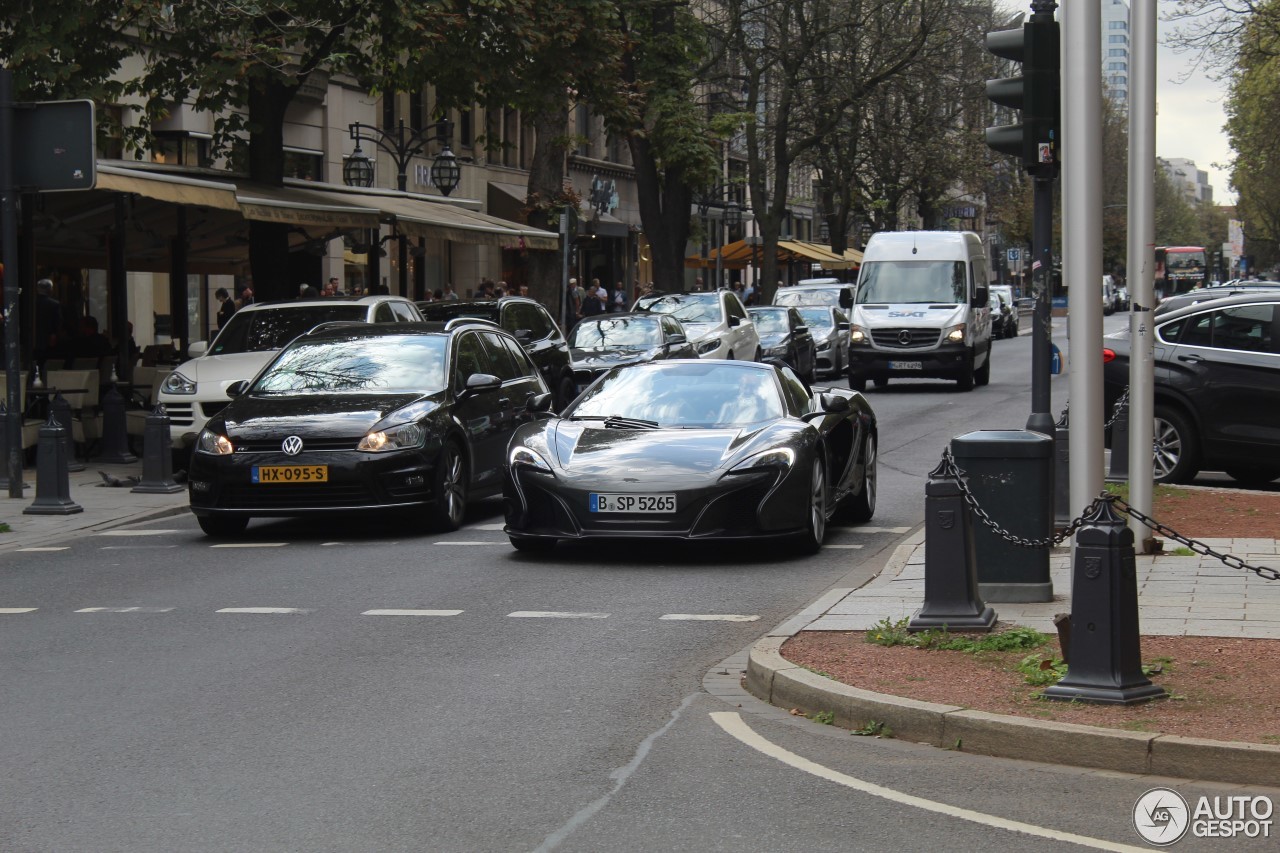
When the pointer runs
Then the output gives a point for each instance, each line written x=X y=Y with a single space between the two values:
x=362 y=686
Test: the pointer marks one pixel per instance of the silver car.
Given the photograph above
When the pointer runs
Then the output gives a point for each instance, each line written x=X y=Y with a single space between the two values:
x=830 y=329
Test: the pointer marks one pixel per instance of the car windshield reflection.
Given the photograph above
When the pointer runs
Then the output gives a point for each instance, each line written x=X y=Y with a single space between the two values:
x=391 y=364
x=621 y=333
x=690 y=307
x=272 y=328
x=702 y=395
x=770 y=321
x=816 y=318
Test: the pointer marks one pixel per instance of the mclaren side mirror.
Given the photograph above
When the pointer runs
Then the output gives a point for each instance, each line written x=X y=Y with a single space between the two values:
x=235 y=389
x=834 y=404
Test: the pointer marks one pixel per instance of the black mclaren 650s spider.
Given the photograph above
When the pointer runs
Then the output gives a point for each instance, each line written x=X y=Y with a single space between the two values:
x=691 y=449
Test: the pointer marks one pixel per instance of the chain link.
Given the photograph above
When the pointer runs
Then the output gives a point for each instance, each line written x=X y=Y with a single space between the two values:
x=1230 y=560
x=1116 y=409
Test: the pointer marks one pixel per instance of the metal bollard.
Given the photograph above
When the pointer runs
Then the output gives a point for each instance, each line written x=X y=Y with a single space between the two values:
x=115 y=432
x=951 y=599
x=157 y=458
x=59 y=408
x=4 y=446
x=1106 y=656
x=1119 y=469
x=1062 y=474
x=53 y=488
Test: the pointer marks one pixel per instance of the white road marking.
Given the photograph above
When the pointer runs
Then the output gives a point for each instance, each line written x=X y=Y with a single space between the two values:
x=404 y=612
x=496 y=526
x=59 y=548
x=552 y=614
x=732 y=723
x=284 y=610
x=467 y=542
x=124 y=610
x=250 y=545
x=330 y=544
x=708 y=617
x=136 y=547
x=879 y=530
x=148 y=532
x=844 y=547
x=8 y=610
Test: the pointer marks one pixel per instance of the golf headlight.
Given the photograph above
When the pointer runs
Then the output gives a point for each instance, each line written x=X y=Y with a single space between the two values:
x=858 y=335
x=176 y=383
x=523 y=457
x=214 y=442
x=709 y=345
x=954 y=335
x=402 y=437
x=777 y=457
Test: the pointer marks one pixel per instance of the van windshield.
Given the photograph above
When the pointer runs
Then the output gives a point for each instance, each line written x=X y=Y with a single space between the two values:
x=912 y=281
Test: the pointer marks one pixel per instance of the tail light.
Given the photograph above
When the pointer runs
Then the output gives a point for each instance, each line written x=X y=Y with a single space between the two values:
x=1108 y=356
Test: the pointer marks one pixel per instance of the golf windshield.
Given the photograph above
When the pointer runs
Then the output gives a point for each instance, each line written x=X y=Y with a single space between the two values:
x=386 y=364
x=897 y=282
x=620 y=333
x=717 y=394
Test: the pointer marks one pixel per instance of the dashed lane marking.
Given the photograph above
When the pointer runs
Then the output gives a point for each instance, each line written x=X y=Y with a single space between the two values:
x=708 y=617
x=496 y=526
x=150 y=531
x=391 y=611
x=125 y=610
x=880 y=530
x=732 y=723
x=844 y=547
x=293 y=611
x=553 y=614
x=136 y=547
x=7 y=611
x=250 y=545
x=50 y=548
x=468 y=542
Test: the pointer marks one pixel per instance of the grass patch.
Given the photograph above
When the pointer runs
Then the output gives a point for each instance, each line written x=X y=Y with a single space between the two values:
x=872 y=728
x=1121 y=490
x=826 y=718
x=886 y=633
x=4 y=528
x=1181 y=551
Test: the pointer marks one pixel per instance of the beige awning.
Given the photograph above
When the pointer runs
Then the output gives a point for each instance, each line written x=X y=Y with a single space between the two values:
x=802 y=249
x=304 y=207
x=172 y=188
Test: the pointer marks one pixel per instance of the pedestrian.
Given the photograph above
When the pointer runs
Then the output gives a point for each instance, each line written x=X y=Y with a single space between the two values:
x=226 y=307
x=48 y=325
x=246 y=297
x=332 y=289
x=306 y=291
x=573 y=310
x=697 y=284
x=595 y=301
x=449 y=294
x=749 y=295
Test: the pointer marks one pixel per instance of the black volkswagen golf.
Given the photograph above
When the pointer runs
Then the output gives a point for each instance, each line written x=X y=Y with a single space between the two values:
x=355 y=417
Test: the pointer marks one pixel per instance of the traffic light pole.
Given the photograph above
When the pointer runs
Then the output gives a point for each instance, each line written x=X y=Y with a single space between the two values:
x=1041 y=419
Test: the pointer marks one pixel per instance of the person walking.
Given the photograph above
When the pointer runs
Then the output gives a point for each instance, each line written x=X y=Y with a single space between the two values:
x=48 y=325
x=226 y=307
x=573 y=304
x=595 y=301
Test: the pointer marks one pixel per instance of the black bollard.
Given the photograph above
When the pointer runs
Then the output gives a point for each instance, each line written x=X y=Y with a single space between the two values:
x=53 y=488
x=115 y=433
x=4 y=447
x=1119 y=470
x=157 y=458
x=59 y=408
x=1062 y=514
x=1106 y=655
x=951 y=599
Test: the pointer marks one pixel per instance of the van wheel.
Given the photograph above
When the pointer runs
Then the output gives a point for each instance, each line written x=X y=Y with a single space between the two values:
x=964 y=381
x=983 y=375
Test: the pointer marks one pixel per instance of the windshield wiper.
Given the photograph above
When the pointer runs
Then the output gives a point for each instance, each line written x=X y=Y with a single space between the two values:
x=619 y=422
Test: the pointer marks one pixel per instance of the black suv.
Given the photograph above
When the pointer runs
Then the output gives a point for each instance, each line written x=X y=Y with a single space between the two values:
x=531 y=325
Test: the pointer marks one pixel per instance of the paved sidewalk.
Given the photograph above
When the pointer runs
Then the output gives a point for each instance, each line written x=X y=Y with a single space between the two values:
x=103 y=507
x=1195 y=595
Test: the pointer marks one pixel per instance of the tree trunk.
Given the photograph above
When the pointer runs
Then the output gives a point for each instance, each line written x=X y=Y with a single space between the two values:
x=546 y=180
x=665 y=201
x=269 y=241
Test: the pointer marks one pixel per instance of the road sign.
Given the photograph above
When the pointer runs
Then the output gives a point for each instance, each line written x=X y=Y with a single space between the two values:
x=1014 y=255
x=54 y=147
x=1055 y=363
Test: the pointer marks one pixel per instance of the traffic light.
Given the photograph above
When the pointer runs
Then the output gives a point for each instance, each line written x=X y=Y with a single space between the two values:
x=1035 y=140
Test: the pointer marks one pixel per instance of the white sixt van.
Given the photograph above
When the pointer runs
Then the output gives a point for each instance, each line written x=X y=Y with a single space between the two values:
x=921 y=310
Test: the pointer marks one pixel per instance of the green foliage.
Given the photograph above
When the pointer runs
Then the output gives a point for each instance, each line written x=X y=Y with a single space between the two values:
x=826 y=718
x=4 y=528
x=873 y=728
x=1040 y=671
x=886 y=633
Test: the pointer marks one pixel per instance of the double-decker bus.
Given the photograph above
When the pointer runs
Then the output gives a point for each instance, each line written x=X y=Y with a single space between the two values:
x=1179 y=269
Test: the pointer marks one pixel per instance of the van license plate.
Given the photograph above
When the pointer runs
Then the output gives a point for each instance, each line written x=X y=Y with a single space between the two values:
x=906 y=365
x=633 y=503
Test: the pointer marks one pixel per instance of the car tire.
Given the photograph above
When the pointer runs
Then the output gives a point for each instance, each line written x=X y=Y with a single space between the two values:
x=1177 y=450
x=857 y=383
x=566 y=393
x=223 y=526
x=1260 y=475
x=816 y=523
x=881 y=381
x=449 y=488
x=964 y=381
x=982 y=376
x=532 y=544
x=861 y=507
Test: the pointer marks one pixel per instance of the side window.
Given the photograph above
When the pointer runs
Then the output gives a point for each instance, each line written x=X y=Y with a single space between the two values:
x=524 y=367
x=539 y=322
x=504 y=365
x=509 y=319
x=794 y=318
x=404 y=314
x=1246 y=328
x=382 y=314
x=1170 y=332
x=794 y=391
x=734 y=306
x=670 y=327
x=1197 y=330
x=469 y=359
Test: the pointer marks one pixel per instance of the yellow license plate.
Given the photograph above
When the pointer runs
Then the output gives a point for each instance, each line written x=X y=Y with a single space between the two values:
x=290 y=473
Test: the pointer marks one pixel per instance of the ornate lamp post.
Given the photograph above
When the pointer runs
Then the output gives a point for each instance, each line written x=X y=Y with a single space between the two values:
x=730 y=216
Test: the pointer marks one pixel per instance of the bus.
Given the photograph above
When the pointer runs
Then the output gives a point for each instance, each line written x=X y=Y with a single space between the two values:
x=1180 y=269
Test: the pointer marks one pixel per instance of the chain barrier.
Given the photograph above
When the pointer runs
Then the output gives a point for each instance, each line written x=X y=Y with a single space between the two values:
x=1116 y=410
x=1230 y=560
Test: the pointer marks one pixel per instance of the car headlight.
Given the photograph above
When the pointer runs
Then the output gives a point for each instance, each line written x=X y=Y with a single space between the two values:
x=955 y=334
x=858 y=335
x=523 y=457
x=709 y=345
x=777 y=457
x=773 y=352
x=176 y=383
x=824 y=346
x=214 y=443
x=401 y=437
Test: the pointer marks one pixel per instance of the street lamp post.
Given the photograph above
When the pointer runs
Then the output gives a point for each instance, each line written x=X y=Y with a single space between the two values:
x=402 y=145
x=731 y=215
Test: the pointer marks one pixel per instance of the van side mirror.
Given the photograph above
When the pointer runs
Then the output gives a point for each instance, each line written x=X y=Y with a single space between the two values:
x=846 y=298
x=981 y=297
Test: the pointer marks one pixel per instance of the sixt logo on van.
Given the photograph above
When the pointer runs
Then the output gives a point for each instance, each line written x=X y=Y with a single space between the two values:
x=906 y=313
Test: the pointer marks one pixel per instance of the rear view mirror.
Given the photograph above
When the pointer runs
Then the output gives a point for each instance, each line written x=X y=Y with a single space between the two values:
x=676 y=340
x=197 y=348
x=524 y=336
x=478 y=382
x=799 y=329
x=980 y=298
x=235 y=389
x=834 y=404
x=734 y=320
x=539 y=403
x=846 y=298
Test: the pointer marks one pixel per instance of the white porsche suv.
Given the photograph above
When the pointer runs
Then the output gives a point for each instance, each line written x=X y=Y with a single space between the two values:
x=197 y=390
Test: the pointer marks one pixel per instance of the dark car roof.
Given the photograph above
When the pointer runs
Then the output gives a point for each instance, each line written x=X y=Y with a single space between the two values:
x=479 y=307
x=375 y=330
x=647 y=316
x=1234 y=297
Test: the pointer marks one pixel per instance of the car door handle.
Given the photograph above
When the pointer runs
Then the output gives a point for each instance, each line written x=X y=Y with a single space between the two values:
x=1191 y=359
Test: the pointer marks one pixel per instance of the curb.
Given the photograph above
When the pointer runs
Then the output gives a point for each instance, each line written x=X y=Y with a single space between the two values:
x=776 y=680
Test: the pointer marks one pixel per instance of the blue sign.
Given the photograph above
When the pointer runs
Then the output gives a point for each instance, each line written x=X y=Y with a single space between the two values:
x=1014 y=255
x=1055 y=361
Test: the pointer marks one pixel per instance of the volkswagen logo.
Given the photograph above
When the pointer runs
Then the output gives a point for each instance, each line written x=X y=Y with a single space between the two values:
x=292 y=445
x=904 y=337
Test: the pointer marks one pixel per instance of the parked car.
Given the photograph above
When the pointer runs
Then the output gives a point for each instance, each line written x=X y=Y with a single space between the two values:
x=1004 y=312
x=1217 y=388
x=601 y=343
x=532 y=326
x=830 y=329
x=716 y=322
x=785 y=335
x=1205 y=294
x=197 y=390
x=817 y=291
x=693 y=450
x=351 y=419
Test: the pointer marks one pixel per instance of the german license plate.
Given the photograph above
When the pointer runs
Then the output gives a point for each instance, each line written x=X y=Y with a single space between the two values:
x=632 y=503
x=290 y=473
x=906 y=365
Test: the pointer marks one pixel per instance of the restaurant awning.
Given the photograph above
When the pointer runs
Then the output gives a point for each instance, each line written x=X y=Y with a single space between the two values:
x=822 y=255
x=301 y=207
x=178 y=189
